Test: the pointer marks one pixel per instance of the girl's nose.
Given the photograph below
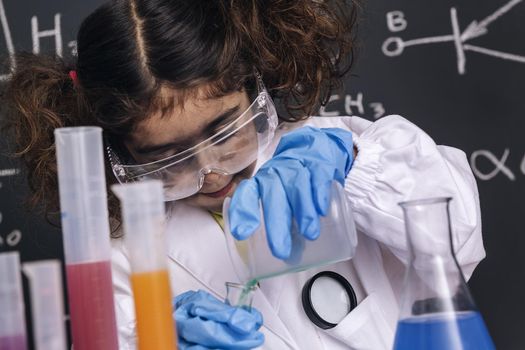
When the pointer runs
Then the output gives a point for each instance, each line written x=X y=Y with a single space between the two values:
x=210 y=178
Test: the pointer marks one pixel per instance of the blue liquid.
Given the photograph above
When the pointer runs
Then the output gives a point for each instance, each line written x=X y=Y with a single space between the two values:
x=460 y=331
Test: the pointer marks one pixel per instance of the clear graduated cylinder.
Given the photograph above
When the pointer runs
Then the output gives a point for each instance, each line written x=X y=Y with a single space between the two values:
x=12 y=316
x=143 y=218
x=85 y=233
x=47 y=304
x=437 y=309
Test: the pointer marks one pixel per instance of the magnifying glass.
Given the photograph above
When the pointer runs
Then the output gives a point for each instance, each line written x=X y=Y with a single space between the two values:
x=327 y=298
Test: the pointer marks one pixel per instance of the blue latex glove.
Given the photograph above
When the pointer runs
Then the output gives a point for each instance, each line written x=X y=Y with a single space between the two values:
x=296 y=183
x=205 y=322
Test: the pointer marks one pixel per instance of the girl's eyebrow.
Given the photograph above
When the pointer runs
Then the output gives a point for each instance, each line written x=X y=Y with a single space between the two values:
x=212 y=125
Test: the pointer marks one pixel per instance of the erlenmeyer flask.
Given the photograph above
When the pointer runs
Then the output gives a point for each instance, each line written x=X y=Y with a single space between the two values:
x=437 y=310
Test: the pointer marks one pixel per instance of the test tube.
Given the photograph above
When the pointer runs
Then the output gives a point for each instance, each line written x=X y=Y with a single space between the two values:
x=12 y=319
x=144 y=224
x=47 y=304
x=85 y=230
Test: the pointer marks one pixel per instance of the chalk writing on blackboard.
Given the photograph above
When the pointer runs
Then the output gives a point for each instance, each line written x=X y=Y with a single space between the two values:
x=497 y=164
x=37 y=34
x=11 y=239
x=353 y=105
x=8 y=39
x=396 y=22
x=9 y=172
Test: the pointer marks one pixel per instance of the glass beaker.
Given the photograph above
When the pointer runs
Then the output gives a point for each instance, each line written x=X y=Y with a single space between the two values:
x=437 y=310
x=241 y=295
x=254 y=261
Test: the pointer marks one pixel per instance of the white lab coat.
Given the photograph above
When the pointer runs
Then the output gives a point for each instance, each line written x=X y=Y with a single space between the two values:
x=396 y=161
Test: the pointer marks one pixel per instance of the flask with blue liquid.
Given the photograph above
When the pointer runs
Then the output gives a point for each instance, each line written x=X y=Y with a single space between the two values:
x=437 y=310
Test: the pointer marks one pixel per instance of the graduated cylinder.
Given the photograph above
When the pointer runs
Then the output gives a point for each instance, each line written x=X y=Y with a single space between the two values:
x=144 y=224
x=85 y=234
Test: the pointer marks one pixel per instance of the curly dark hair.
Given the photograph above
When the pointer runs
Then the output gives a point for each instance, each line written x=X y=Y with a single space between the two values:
x=130 y=49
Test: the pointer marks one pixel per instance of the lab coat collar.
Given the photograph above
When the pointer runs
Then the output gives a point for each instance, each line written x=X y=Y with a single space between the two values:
x=196 y=242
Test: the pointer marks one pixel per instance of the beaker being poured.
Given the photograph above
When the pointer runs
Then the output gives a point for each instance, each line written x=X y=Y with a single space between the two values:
x=253 y=260
x=437 y=310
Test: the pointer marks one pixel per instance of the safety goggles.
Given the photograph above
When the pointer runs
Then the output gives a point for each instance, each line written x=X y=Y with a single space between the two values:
x=227 y=152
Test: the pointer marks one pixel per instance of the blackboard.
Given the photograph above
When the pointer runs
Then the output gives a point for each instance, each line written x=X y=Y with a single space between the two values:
x=456 y=69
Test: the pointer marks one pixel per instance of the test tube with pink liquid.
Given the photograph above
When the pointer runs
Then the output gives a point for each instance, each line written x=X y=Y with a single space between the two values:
x=85 y=230
x=12 y=319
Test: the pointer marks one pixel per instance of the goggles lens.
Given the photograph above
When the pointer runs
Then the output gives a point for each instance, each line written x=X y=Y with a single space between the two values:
x=227 y=152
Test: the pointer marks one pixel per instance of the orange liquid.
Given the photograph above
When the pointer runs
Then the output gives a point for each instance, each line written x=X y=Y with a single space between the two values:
x=155 y=324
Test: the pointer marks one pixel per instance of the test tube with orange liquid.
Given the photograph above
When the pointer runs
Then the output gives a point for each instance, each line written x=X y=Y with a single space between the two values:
x=144 y=222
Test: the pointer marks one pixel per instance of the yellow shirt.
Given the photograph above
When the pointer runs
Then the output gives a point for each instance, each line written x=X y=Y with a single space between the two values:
x=218 y=218
x=241 y=246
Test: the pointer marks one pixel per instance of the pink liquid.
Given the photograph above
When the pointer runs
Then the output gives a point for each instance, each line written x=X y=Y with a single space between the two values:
x=91 y=306
x=15 y=342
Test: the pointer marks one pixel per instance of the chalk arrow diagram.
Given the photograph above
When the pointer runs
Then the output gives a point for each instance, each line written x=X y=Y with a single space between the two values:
x=473 y=30
x=495 y=53
x=476 y=29
x=394 y=46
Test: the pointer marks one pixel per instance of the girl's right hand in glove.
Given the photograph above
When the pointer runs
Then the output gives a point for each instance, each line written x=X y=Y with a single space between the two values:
x=205 y=322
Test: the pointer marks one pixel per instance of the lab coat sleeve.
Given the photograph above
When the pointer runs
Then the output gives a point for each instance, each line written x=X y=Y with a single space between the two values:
x=397 y=161
x=124 y=306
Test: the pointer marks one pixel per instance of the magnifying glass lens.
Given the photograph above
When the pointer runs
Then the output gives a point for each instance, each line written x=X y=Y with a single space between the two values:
x=327 y=298
x=330 y=299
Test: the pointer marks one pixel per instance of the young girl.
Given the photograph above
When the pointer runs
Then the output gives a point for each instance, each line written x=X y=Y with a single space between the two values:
x=167 y=80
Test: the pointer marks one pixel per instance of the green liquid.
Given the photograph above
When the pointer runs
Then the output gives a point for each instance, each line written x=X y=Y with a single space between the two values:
x=248 y=286
x=248 y=289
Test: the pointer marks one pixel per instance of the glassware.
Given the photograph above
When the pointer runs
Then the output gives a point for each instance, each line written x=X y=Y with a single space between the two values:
x=12 y=317
x=437 y=310
x=85 y=231
x=253 y=259
x=47 y=304
x=144 y=225
x=241 y=295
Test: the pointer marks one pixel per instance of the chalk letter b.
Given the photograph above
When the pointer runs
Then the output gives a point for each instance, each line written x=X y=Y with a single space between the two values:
x=396 y=21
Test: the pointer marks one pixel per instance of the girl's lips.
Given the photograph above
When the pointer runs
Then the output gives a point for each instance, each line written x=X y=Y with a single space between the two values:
x=220 y=193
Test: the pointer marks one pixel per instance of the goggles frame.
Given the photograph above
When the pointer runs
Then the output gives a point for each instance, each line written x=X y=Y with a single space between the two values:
x=262 y=103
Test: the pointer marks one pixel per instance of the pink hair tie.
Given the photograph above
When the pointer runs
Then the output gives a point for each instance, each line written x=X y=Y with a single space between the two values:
x=73 y=76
